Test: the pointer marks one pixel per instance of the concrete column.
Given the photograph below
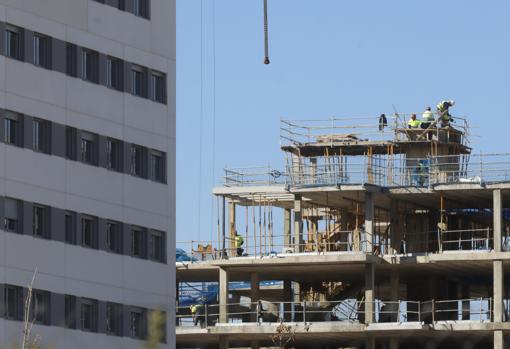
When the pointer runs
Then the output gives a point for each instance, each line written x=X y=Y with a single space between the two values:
x=369 y=342
x=394 y=293
x=393 y=343
x=369 y=293
x=224 y=343
x=255 y=345
x=499 y=341
x=298 y=223
x=232 y=228
x=254 y=295
x=287 y=297
x=497 y=219
x=223 y=295
x=369 y=221
x=287 y=222
x=498 y=289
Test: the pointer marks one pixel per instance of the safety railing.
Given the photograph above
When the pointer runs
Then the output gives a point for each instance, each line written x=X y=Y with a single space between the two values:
x=464 y=239
x=394 y=127
x=267 y=245
x=348 y=310
x=379 y=170
x=253 y=176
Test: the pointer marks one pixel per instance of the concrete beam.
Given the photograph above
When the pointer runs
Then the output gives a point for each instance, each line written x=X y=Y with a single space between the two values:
x=223 y=295
x=498 y=289
x=369 y=221
x=287 y=222
x=254 y=295
x=298 y=223
x=497 y=219
x=369 y=293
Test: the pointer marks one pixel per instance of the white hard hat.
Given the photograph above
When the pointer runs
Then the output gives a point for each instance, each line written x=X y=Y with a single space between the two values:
x=452 y=102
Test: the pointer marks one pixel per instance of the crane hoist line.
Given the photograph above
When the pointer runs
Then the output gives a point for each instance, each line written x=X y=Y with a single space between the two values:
x=266 y=39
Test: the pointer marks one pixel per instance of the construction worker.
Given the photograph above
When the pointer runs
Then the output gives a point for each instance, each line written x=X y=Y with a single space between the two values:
x=194 y=313
x=443 y=109
x=427 y=118
x=413 y=123
x=239 y=241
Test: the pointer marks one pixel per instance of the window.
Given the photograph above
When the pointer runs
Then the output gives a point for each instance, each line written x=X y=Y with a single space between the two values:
x=158 y=82
x=42 y=51
x=141 y=8
x=113 y=237
x=90 y=65
x=14 y=42
x=137 y=243
x=41 y=135
x=137 y=323
x=71 y=135
x=114 y=73
x=113 y=154
x=122 y=5
x=70 y=227
x=70 y=311
x=88 y=231
x=88 y=314
x=13 y=302
x=71 y=60
x=138 y=157
x=12 y=216
x=41 y=307
x=137 y=84
x=88 y=149
x=157 y=166
x=13 y=129
x=114 y=319
x=156 y=245
x=40 y=221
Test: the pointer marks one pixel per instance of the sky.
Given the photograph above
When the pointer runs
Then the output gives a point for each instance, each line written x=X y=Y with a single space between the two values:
x=328 y=58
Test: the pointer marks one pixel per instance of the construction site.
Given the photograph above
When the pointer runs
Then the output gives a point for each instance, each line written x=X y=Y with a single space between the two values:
x=371 y=234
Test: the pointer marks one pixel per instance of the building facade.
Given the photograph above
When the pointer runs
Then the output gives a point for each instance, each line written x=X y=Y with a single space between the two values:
x=87 y=159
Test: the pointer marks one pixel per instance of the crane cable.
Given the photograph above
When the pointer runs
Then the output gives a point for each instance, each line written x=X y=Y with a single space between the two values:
x=266 y=40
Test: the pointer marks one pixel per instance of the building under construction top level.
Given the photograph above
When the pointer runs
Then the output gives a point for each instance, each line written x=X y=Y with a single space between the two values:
x=374 y=235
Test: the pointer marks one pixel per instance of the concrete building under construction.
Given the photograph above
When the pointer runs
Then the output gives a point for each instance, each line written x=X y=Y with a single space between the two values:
x=375 y=235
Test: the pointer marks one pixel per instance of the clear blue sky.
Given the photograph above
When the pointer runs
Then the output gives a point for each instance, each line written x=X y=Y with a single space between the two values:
x=328 y=57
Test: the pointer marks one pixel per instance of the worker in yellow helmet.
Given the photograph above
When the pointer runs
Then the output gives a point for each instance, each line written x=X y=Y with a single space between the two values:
x=443 y=109
x=239 y=241
x=413 y=122
x=427 y=118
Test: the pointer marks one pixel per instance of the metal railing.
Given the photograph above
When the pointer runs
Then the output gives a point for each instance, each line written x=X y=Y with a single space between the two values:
x=465 y=239
x=348 y=310
x=336 y=241
x=374 y=128
x=248 y=176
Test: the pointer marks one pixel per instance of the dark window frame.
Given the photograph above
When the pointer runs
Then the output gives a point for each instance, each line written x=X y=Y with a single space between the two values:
x=158 y=82
x=11 y=224
x=13 y=302
x=138 y=159
x=157 y=246
x=71 y=60
x=13 y=128
x=89 y=231
x=137 y=323
x=113 y=236
x=90 y=65
x=158 y=166
x=114 y=319
x=41 y=135
x=40 y=221
x=89 y=148
x=70 y=311
x=88 y=314
x=14 y=42
x=41 y=47
x=41 y=307
x=71 y=140
x=114 y=73
x=70 y=227
x=113 y=154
